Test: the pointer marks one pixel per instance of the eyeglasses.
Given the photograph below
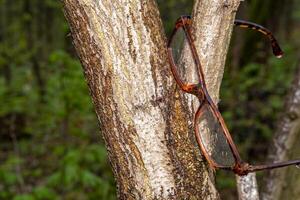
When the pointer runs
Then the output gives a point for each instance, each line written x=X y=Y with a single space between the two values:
x=211 y=132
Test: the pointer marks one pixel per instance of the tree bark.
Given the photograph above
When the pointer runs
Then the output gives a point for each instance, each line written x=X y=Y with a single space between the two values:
x=285 y=181
x=247 y=187
x=145 y=120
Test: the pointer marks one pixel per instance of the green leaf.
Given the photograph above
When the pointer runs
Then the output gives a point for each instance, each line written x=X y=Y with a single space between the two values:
x=89 y=179
x=24 y=197
x=44 y=193
x=54 y=179
x=71 y=175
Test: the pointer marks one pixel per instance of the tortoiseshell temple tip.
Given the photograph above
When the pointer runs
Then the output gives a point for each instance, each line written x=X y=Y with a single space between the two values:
x=277 y=51
x=278 y=55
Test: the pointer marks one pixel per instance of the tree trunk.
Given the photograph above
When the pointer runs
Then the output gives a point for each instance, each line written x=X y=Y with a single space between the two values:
x=145 y=121
x=285 y=182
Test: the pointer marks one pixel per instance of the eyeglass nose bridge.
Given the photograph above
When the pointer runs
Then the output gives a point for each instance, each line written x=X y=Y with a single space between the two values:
x=241 y=168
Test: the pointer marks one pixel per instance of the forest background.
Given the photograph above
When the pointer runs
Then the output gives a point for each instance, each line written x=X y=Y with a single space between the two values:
x=49 y=136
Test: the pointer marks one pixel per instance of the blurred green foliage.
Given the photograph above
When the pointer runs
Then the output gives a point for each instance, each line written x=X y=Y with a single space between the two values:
x=50 y=146
x=252 y=98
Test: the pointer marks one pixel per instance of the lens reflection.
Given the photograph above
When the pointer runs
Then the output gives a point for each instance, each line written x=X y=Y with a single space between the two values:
x=213 y=138
x=183 y=58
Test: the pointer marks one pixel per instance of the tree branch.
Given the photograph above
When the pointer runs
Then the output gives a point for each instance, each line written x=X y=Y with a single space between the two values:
x=247 y=187
x=284 y=144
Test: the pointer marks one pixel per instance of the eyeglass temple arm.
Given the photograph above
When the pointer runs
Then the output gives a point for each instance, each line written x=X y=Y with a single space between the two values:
x=250 y=25
x=254 y=168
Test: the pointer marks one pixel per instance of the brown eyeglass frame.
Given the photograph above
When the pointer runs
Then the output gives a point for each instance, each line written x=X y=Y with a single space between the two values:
x=200 y=91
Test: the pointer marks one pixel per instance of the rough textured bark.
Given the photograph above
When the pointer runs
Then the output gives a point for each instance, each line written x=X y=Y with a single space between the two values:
x=143 y=116
x=247 y=187
x=285 y=182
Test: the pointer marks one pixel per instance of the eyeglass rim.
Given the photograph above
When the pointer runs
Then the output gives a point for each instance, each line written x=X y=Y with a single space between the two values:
x=240 y=167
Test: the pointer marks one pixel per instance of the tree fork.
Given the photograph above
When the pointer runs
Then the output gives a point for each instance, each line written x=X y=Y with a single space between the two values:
x=142 y=115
